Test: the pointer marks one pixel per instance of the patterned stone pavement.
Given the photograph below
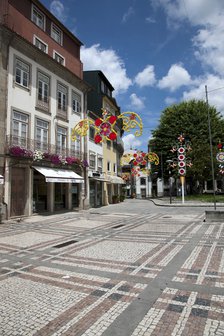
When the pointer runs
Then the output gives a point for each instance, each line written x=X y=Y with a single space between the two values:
x=126 y=270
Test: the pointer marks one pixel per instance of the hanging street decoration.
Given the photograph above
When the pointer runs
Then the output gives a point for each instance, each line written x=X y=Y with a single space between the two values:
x=138 y=161
x=105 y=126
x=220 y=157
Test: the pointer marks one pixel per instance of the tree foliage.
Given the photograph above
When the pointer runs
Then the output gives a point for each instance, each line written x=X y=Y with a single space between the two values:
x=191 y=120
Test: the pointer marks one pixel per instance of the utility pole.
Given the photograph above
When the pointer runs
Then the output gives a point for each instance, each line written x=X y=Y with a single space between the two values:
x=210 y=141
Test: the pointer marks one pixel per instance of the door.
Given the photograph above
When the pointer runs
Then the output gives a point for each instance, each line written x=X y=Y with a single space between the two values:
x=18 y=192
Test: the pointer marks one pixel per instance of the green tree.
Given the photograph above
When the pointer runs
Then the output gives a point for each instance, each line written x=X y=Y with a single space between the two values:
x=190 y=119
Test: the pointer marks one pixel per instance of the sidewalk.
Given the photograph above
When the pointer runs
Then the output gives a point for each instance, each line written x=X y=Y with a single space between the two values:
x=165 y=201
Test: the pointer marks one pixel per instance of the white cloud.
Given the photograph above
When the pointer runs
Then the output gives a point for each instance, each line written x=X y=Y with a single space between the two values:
x=215 y=88
x=170 y=100
x=177 y=76
x=128 y=14
x=106 y=60
x=207 y=16
x=137 y=102
x=150 y=20
x=131 y=142
x=146 y=77
x=57 y=8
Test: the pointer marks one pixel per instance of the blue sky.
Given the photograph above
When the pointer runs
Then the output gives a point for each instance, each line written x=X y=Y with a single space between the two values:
x=154 y=52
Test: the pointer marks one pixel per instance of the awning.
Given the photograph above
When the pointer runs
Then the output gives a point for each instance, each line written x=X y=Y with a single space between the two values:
x=59 y=175
x=101 y=179
x=116 y=180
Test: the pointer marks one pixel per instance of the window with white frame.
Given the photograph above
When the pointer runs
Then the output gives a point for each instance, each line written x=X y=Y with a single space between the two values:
x=43 y=89
x=59 y=58
x=92 y=160
x=61 y=138
x=41 y=134
x=91 y=133
x=38 y=17
x=22 y=73
x=62 y=96
x=108 y=166
x=76 y=102
x=56 y=33
x=76 y=146
x=40 y=44
x=20 y=123
x=100 y=164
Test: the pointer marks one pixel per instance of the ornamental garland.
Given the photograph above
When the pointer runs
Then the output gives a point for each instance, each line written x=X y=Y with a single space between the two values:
x=104 y=127
x=139 y=158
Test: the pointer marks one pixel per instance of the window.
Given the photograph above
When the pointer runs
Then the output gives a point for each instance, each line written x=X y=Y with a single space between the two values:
x=61 y=139
x=76 y=102
x=62 y=96
x=92 y=160
x=43 y=88
x=115 y=168
x=108 y=144
x=143 y=181
x=22 y=73
x=60 y=59
x=38 y=17
x=41 y=134
x=108 y=166
x=76 y=146
x=20 y=128
x=102 y=86
x=91 y=133
x=56 y=33
x=40 y=44
x=100 y=164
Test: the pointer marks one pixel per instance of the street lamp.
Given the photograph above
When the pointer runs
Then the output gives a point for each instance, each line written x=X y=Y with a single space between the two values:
x=170 y=179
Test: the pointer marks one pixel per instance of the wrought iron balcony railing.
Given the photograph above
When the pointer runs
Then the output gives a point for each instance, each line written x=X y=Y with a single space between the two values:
x=35 y=145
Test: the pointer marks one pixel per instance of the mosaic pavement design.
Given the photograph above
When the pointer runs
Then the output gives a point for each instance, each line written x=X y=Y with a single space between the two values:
x=113 y=274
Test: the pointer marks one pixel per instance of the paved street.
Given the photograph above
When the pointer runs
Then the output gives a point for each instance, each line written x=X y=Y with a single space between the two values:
x=128 y=269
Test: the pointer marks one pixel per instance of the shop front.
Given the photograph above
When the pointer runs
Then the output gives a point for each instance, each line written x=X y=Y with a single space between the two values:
x=55 y=189
x=96 y=192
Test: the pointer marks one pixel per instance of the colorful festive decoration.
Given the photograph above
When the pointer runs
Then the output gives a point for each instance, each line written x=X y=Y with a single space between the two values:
x=139 y=158
x=153 y=158
x=104 y=127
x=135 y=171
x=125 y=177
x=220 y=158
x=182 y=161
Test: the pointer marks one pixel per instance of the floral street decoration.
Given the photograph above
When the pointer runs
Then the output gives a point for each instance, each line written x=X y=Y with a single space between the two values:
x=38 y=155
x=220 y=157
x=125 y=177
x=139 y=158
x=104 y=127
x=182 y=161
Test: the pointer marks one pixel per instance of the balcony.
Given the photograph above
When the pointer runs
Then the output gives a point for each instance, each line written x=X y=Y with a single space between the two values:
x=35 y=145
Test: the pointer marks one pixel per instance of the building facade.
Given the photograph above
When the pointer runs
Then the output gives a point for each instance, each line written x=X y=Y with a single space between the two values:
x=106 y=181
x=43 y=96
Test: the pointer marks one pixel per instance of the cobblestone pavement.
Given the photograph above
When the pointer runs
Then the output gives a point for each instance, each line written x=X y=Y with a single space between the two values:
x=131 y=269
